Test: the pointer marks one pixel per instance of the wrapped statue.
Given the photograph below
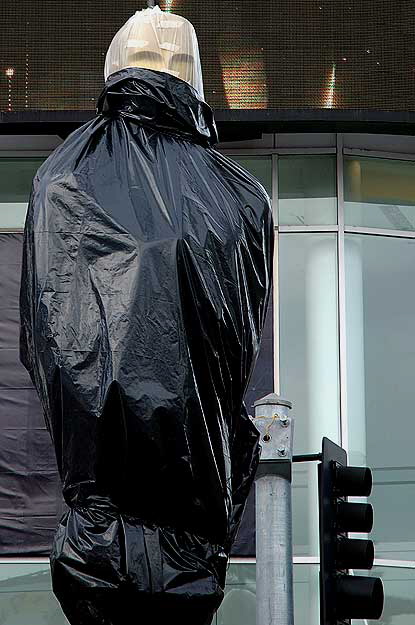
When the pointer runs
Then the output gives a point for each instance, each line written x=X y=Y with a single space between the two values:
x=146 y=274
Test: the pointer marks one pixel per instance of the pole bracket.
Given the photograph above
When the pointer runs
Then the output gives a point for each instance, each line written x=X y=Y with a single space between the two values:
x=275 y=427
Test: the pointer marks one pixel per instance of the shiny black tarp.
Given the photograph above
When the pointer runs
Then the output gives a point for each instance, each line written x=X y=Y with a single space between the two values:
x=30 y=495
x=145 y=280
x=31 y=501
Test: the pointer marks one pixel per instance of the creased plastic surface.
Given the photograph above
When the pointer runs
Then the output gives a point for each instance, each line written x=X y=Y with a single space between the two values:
x=145 y=281
x=157 y=40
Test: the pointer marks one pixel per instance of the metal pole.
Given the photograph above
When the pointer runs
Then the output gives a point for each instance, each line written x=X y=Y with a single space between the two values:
x=274 y=551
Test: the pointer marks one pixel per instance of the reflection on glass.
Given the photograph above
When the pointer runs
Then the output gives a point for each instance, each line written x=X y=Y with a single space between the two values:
x=307 y=189
x=309 y=336
x=238 y=607
x=26 y=596
x=379 y=193
x=399 y=587
x=16 y=175
x=309 y=363
x=258 y=166
x=305 y=508
x=380 y=313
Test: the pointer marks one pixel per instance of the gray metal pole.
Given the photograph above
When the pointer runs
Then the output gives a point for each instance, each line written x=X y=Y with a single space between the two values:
x=274 y=551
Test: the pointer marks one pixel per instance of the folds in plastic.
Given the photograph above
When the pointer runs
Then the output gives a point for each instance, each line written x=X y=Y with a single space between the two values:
x=145 y=282
x=157 y=40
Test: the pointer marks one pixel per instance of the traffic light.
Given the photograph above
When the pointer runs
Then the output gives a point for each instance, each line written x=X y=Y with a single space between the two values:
x=344 y=596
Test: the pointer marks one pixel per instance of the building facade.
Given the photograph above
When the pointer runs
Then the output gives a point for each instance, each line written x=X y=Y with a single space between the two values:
x=340 y=346
x=316 y=99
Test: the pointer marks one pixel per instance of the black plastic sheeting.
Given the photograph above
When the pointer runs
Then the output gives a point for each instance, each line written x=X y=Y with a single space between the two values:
x=30 y=492
x=31 y=501
x=146 y=274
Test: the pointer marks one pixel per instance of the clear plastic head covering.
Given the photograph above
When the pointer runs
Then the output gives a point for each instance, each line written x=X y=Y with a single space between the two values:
x=156 y=40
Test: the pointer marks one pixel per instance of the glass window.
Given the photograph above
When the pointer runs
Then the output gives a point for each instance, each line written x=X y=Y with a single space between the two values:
x=26 y=596
x=309 y=363
x=238 y=607
x=399 y=587
x=307 y=189
x=309 y=335
x=16 y=175
x=239 y=603
x=305 y=507
x=380 y=314
x=258 y=166
x=379 y=193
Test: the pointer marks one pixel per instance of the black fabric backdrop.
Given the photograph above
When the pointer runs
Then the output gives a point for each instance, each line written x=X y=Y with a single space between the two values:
x=31 y=503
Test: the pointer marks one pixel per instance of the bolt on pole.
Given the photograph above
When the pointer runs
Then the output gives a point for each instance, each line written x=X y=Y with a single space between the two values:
x=274 y=550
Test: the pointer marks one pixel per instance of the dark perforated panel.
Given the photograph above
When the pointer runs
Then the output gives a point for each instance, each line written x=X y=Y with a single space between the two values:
x=281 y=54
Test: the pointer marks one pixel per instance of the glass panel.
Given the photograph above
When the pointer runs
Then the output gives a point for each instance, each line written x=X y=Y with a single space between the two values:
x=16 y=175
x=258 y=166
x=307 y=189
x=261 y=168
x=380 y=313
x=379 y=193
x=309 y=336
x=238 y=607
x=26 y=596
x=399 y=586
x=309 y=363
x=305 y=507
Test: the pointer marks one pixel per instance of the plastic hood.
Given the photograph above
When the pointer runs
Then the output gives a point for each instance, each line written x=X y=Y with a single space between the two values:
x=156 y=40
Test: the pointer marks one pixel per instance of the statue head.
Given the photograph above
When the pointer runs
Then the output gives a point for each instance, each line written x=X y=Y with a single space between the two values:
x=160 y=41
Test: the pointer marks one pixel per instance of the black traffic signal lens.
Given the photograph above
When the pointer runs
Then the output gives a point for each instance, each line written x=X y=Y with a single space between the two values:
x=353 y=553
x=359 y=597
x=354 y=517
x=353 y=481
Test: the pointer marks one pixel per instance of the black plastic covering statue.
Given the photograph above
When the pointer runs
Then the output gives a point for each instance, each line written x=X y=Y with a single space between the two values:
x=146 y=276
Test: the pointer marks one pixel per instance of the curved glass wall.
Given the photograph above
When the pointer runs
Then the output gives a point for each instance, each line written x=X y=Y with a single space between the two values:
x=344 y=353
x=380 y=332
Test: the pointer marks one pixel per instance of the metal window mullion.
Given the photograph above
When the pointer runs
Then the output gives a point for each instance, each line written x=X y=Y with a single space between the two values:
x=397 y=156
x=276 y=281
x=403 y=564
x=247 y=151
x=381 y=232
x=316 y=229
x=306 y=151
x=314 y=560
x=23 y=560
x=341 y=306
x=29 y=154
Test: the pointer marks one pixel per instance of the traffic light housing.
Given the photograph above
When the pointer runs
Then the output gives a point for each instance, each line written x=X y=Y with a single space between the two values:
x=344 y=596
